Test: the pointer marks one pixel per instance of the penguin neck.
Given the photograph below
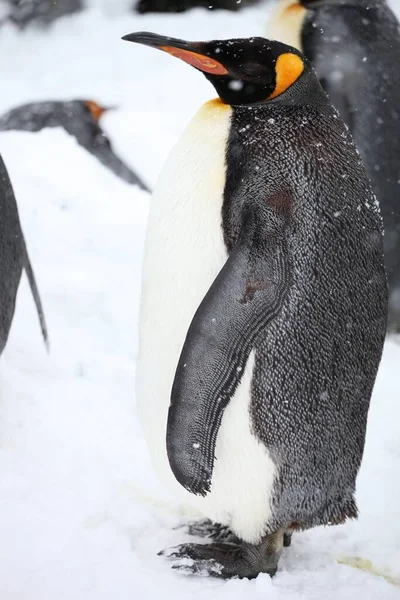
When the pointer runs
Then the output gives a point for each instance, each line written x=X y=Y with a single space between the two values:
x=308 y=92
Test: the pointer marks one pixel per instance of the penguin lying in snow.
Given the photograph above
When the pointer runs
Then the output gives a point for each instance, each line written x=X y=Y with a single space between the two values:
x=80 y=118
x=263 y=309
x=354 y=47
x=13 y=260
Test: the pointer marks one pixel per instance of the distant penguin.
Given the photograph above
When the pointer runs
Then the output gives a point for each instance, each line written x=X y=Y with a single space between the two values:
x=43 y=12
x=176 y=6
x=354 y=47
x=13 y=260
x=263 y=309
x=80 y=118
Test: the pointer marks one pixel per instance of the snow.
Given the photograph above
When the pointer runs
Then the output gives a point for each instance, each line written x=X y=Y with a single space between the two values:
x=82 y=516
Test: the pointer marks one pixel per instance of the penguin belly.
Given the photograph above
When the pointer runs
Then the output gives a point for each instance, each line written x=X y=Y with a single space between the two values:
x=286 y=23
x=184 y=253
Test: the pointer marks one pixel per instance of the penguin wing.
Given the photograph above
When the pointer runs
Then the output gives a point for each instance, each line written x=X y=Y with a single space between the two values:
x=246 y=295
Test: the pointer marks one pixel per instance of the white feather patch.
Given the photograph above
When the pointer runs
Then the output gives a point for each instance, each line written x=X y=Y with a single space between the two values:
x=184 y=253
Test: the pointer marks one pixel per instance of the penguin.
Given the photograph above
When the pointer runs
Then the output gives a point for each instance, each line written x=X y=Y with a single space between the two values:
x=43 y=12
x=177 y=6
x=263 y=308
x=80 y=118
x=354 y=47
x=14 y=259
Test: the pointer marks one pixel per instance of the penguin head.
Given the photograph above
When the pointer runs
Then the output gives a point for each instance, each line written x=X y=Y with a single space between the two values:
x=95 y=110
x=243 y=71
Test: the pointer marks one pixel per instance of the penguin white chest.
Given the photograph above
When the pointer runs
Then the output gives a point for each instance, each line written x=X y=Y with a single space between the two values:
x=184 y=253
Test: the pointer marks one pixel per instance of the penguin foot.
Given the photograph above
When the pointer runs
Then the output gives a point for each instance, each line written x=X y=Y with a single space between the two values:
x=287 y=539
x=226 y=560
x=210 y=530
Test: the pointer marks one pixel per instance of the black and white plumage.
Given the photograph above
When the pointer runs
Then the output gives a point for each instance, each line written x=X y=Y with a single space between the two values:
x=354 y=46
x=264 y=305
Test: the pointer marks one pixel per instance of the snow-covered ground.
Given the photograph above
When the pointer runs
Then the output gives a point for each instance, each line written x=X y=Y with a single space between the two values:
x=81 y=513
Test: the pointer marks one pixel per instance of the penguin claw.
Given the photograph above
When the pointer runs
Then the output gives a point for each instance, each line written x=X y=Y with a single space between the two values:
x=200 y=551
x=222 y=560
x=208 y=529
x=203 y=559
x=287 y=539
x=203 y=568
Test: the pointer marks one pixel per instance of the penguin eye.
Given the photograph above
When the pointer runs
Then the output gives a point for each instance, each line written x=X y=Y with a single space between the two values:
x=255 y=71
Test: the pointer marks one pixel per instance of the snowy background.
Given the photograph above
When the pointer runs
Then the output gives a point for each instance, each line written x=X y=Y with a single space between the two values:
x=81 y=513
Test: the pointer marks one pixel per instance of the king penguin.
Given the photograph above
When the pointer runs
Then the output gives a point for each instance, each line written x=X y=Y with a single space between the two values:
x=354 y=46
x=14 y=259
x=79 y=118
x=263 y=308
x=24 y=13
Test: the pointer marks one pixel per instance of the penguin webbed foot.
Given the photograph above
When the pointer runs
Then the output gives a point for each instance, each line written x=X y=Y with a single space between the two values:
x=209 y=530
x=287 y=539
x=226 y=560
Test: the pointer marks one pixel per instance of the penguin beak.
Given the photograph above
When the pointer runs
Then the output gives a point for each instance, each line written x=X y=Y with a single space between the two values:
x=191 y=53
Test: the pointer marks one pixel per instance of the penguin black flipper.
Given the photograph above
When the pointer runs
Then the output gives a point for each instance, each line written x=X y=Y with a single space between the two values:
x=36 y=295
x=246 y=295
x=14 y=258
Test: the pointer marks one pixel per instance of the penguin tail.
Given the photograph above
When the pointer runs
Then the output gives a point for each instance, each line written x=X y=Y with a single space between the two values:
x=36 y=296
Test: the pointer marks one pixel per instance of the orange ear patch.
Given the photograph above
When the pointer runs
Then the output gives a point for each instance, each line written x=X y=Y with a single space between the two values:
x=95 y=109
x=294 y=8
x=204 y=63
x=288 y=69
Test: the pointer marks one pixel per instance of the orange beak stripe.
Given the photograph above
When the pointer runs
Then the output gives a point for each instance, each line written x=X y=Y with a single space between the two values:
x=204 y=63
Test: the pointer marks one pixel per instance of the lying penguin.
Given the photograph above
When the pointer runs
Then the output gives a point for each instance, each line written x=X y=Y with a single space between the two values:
x=79 y=118
x=354 y=47
x=13 y=260
x=263 y=308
